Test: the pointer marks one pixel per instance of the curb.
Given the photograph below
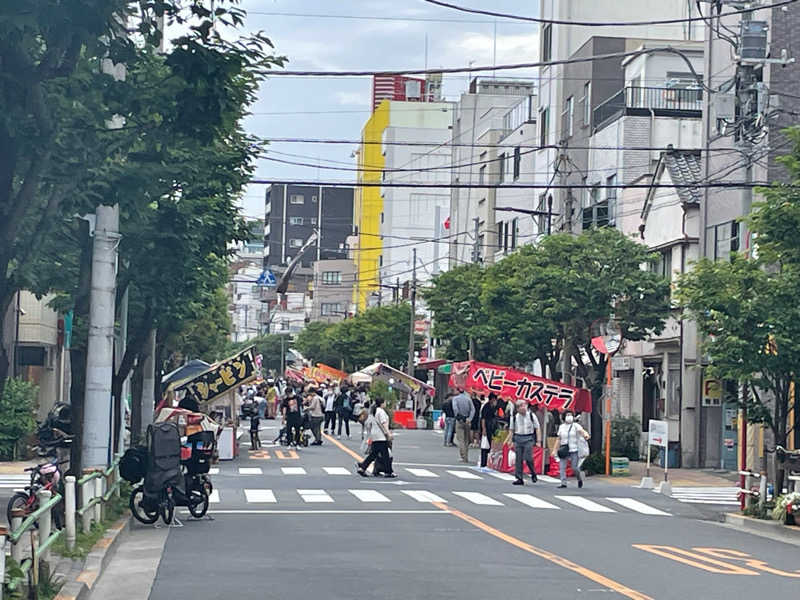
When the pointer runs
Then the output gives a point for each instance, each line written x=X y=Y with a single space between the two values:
x=80 y=584
x=772 y=529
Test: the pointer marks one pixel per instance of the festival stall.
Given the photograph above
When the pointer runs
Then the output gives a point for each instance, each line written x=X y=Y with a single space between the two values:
x=214 y=391
x=323 y=373
x=511 y=385
x=415 y=389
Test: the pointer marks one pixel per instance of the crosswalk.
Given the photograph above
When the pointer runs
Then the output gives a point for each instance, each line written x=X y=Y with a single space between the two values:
x=255 y=497
x=9 y=483
x=724 y=496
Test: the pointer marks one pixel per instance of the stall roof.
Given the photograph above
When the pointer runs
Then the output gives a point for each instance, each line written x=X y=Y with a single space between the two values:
x=429 y=365
x=382 y=369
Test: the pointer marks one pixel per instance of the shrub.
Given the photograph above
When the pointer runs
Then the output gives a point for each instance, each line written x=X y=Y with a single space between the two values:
x=594 y=464
x=625 y=436
x=17 y=422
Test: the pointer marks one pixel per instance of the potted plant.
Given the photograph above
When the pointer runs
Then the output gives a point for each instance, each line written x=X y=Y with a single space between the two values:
x=787 y=508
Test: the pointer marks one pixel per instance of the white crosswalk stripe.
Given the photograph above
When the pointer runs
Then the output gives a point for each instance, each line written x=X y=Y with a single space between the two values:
x=259 y=496
x=423 y=496
x=214 y=497
x=250 y=471
x=213 y=471
x=421 y=472
x=336 y=471
x=639 y=507
x=465 y=475
x=477 y=498
x=531 y=501
x=293 y=470
x=585 y=504
x=314 y=496
x=14 y=482
x=369 y=496
x=503 y=476
x=707 y=495
x=548 y=479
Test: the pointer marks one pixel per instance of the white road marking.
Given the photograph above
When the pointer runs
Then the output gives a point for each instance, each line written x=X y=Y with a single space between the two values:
x=727 y=496
x=548 y=479
x=477 y=498
x=503 y=476
x=531 y=501
x=585 y=504
x=250 y=471
x=213 y=471
x=639 y=507
x=336 y=471
x=214 y=497
x=314 y=496
x=260 y=496
x=465 y=475
x=422 y=472
x=369 y=496
x=293 y=470
x=324 y=512
x=423 y=496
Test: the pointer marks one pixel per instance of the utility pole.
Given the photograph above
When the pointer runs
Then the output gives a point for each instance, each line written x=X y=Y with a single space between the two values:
x=397 y=291
x=476 y=244
x=413 y=315
x=96 y=443
x=437 y=219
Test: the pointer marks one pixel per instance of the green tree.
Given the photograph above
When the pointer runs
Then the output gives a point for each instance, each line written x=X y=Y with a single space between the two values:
x=747 y=309
x=206 y=336
x=17 y=416
x=315 y=342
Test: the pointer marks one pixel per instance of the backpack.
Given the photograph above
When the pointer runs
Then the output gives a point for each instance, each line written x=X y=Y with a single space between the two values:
x=346 y=405
x=133 y=464
x=163 y=456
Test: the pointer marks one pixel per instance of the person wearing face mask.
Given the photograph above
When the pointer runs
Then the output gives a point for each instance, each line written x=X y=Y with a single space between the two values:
x=568 y=433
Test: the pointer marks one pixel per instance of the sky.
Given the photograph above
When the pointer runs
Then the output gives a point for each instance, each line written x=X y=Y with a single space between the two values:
x=338 y=107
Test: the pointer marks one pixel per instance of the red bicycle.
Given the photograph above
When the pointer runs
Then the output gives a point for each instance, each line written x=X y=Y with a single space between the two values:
x=46 y=476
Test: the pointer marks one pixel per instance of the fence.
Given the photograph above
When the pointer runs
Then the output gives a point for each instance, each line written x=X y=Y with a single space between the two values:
x=97 y=487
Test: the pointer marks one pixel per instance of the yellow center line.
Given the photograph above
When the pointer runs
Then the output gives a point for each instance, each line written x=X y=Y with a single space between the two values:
x=554 y=558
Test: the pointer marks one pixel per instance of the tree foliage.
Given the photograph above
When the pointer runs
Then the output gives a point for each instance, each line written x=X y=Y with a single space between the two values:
x=205 y=336
x=17 y=416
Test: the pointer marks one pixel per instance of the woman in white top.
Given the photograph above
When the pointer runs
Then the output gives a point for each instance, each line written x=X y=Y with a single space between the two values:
x=568 y=433
x=378 y=431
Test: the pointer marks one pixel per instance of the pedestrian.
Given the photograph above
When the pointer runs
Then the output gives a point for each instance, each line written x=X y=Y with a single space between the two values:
x=568 y=445
x=526 y=430
x=313 y=405
x=272 y=399
x=255 y=440
x=329 y=399
x=488 y=426
x=464 y=411
x=345 y=411
x=260 y=400
x=475 y=423
x=292 y=417
x=380 y=435
x=449 y=420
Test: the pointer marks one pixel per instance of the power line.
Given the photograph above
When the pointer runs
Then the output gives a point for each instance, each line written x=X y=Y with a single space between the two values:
x=500 y=15
x=523 y=186
x=372 y=17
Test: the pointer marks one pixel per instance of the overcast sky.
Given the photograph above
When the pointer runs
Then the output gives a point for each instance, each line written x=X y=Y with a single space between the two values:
x=338 y=107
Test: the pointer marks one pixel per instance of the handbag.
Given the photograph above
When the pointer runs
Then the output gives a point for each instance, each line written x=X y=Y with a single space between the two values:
x=563 y=449
x=485 y=443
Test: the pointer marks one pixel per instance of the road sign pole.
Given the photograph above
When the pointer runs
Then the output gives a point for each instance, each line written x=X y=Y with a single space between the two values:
x=608 y=414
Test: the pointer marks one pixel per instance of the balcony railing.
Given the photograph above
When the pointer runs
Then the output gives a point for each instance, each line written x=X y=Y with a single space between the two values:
x=662 y=101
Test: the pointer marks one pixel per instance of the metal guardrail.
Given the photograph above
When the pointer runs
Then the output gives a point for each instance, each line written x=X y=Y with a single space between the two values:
x=658 y=99
x=98 y=486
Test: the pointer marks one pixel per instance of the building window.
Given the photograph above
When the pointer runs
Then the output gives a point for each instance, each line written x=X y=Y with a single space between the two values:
x=482 y=175
x=544 y=118
x=587 y=103
x=331 y=308
x=501 y=163
x=722 y=239
x=662 y=265
x=517 y=161
x=297 y=199
x=611 y=197
x=566 y=118
x=332 y=278
x=547 y=42
x=295 y=243
x=502 y=236
x=595 y=211
x=284 y=324
x=514 y=225
x=295 y=220
x=313 y=220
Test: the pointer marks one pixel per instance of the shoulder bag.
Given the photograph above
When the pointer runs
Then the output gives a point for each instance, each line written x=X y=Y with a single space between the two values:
x=563 y=449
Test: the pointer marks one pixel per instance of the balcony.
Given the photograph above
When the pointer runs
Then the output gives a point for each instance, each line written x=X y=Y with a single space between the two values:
x=640 y=101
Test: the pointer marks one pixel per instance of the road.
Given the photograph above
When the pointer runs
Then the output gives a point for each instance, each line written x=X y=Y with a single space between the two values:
x=297 y=525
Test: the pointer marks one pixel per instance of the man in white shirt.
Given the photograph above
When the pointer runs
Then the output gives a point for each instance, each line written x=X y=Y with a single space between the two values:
x=526 y=430
x=329 y=397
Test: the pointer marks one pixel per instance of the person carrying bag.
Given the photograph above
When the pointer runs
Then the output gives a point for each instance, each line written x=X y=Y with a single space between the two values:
x=568 y=447
x=381 y=438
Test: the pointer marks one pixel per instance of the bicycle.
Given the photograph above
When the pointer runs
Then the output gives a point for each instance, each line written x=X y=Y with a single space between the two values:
x=46 y=476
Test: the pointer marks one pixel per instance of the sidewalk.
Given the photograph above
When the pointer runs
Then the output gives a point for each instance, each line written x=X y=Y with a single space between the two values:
x=16 y=467
x=677 y=477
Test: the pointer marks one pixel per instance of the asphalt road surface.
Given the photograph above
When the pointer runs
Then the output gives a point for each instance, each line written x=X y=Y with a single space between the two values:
x=305 y=525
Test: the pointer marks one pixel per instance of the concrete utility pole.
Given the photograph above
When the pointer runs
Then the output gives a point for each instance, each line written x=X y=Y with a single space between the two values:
x=413 y=315
x=96 y=445
x=149 y=382
x=476 y=245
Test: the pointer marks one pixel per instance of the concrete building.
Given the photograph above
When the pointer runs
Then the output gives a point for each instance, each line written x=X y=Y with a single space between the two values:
x=402 y=142
x=332 y=291
x=245 y=300
x=479 y=123
x=294 y=212
x=562 y=106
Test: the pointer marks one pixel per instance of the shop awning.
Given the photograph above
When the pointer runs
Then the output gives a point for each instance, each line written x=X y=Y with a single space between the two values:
x=404 y=382
x=513 y=384
x=430 y=365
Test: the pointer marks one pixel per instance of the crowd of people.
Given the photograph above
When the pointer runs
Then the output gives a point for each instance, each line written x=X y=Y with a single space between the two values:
x=473 y=421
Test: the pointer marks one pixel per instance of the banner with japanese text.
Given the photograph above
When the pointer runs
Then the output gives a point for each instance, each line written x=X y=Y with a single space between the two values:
x=512 y=384
x=222 y=377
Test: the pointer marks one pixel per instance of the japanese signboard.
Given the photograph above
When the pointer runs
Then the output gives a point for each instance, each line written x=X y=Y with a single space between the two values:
x=712 y=392
x=512 y=384
x=221 y=377
x=658 y=434
x=322 y=373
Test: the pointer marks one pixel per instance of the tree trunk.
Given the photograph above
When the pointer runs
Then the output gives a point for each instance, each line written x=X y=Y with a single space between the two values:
x=136 y=403
x=77 y=360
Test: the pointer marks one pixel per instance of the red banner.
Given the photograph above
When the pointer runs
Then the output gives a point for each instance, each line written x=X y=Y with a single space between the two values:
x=508 y=383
